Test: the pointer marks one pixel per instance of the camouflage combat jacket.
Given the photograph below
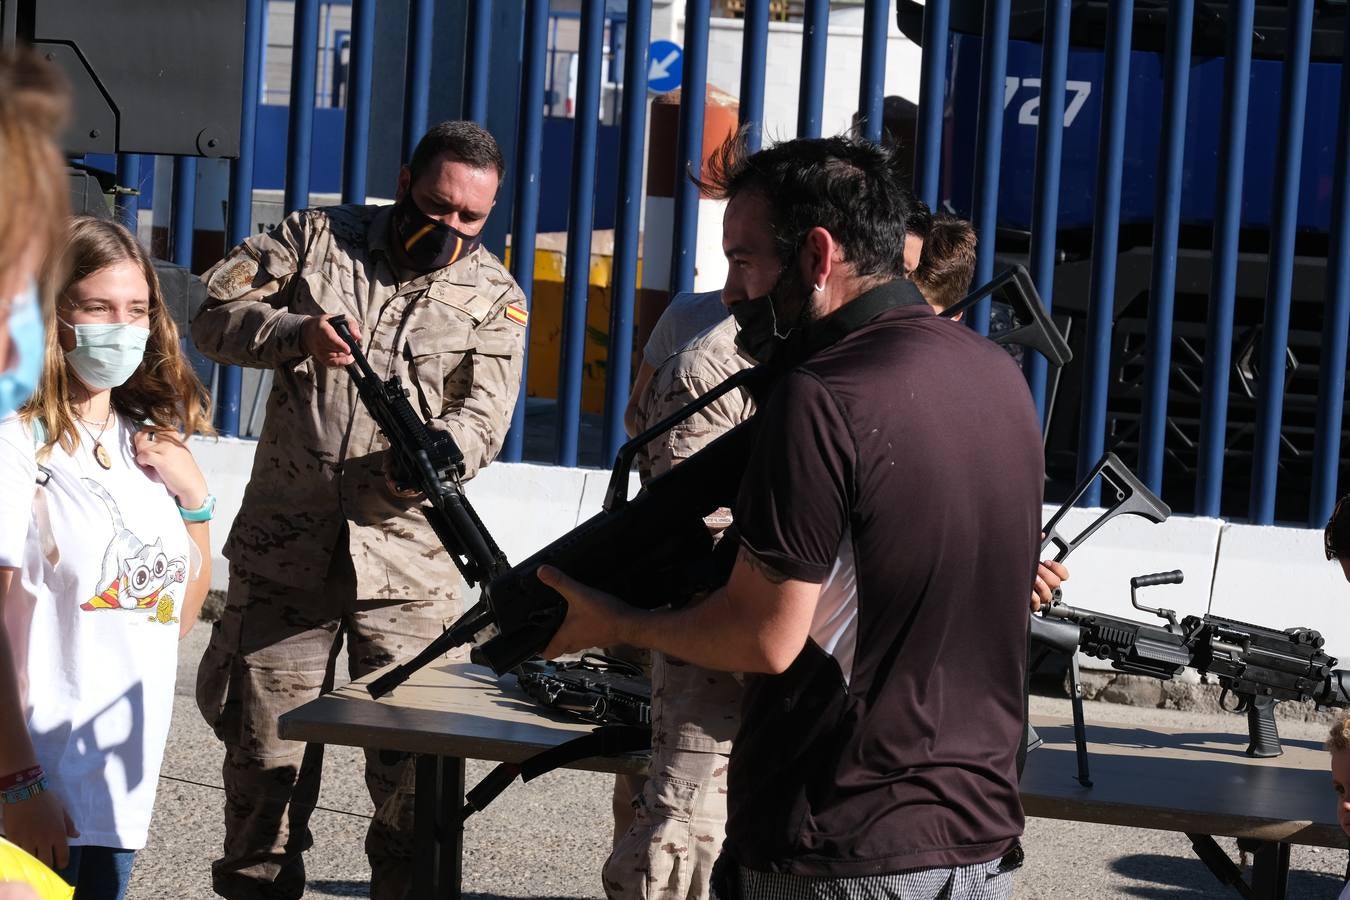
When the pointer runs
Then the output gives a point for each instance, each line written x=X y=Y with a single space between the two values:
x=693 y=708
x=454 y=335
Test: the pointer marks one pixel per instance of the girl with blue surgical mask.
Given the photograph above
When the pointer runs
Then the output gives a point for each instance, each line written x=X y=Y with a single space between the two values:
x=34 y=205
x=103 y=570
x=24 y=356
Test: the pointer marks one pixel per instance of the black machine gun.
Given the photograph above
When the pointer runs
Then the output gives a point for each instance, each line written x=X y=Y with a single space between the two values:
x=1256 y=666
x=596 y=688
x=652 y=550
x=428 y=460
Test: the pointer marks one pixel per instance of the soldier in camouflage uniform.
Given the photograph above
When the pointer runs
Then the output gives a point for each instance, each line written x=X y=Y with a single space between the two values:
x=680 y=814
x=325 y=545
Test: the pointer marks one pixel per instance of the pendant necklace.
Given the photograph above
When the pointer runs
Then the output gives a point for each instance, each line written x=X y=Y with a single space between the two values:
x=101 y=455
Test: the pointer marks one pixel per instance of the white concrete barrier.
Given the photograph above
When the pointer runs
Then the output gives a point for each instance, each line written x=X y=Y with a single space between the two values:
x=1280 y=578
x=1100 y=571
x=1276 y=577
x=524 y=506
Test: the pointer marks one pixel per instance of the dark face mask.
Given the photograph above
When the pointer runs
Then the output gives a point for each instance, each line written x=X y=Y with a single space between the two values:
x=422 y=244
x=765 y=322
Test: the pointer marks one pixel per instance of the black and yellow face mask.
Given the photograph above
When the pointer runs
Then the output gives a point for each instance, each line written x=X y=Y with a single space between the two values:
x=422 y=244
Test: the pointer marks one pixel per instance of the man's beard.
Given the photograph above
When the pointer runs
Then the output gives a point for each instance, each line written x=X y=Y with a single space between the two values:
x=769 y=321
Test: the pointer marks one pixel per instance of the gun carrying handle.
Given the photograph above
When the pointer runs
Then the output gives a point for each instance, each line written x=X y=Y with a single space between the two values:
x=1173 y=577
x=617 y=494
x=1264 y=736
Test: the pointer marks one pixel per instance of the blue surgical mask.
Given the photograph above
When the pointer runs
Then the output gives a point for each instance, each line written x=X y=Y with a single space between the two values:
x=19 y=381
x=105 y=356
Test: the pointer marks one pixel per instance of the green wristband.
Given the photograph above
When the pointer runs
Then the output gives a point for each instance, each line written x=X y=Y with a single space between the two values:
x=202 y=513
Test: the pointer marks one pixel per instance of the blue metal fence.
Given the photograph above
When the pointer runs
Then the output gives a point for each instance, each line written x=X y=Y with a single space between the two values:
x=1275 y=334
x=971 y=153
x=1049 y=147
x=1167 y=208
x=1331 y=372
x=1223 y=278
x=1105 y=237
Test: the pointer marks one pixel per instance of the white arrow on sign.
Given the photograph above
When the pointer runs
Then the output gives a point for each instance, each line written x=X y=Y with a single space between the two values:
x=660 y=68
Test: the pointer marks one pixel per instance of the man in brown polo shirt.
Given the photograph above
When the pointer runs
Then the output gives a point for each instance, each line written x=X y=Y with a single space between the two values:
x=886 y=551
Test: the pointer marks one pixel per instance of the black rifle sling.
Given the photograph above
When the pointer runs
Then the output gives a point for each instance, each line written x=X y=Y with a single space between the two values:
x=607 y=740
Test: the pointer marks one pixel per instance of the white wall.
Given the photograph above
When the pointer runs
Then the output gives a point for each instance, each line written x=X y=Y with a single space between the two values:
x=783 y=71
x=1275 y=577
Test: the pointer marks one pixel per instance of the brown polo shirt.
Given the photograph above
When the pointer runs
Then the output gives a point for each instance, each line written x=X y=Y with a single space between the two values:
x=900 y=468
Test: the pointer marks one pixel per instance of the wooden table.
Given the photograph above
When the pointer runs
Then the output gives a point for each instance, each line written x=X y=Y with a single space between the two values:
x=1198 y=783
x=445 y=714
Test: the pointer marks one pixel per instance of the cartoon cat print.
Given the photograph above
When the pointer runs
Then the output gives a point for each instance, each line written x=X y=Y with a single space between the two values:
x=135 y=575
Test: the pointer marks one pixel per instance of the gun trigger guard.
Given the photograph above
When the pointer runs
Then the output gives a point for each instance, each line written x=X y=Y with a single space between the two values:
x=1238 y=706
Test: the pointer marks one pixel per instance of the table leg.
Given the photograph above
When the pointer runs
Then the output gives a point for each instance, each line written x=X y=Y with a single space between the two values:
x=438 y=828
x=1270 y=871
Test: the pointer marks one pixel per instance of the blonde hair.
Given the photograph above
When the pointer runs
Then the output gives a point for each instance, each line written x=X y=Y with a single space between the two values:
x=1339 y=739
x=34 y=189
x=163 y=391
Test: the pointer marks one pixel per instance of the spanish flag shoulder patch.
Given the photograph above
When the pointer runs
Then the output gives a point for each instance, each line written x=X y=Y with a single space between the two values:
x=517 y=314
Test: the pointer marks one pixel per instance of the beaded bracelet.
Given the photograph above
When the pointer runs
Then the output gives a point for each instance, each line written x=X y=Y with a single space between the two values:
x=27 y=792
x=19 y=779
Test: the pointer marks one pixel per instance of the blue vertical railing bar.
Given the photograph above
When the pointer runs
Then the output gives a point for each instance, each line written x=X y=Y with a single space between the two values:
x=129 y=178
x=1279 y=284
x=239 y=219
x=477 y=57
x=811 y=88
x=1166 y=224
x=526 y=212
x=988 y=144
x=417 y=75
x=633 y=131
x=1336 y=322
x=689 y=157
x=356 y=140
x=754 y=59
x=300 y=131
x=182 y=222
x=872 y=75
x=579 y=221
x=1224 y=261
x=1105 y=239
x=932 y=101
x=1045 y=181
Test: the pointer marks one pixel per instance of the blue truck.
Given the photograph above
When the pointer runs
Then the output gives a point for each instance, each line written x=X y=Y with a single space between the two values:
x=1083 y=100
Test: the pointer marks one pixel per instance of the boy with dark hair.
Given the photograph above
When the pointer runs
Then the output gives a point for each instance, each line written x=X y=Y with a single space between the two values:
x=947 y=263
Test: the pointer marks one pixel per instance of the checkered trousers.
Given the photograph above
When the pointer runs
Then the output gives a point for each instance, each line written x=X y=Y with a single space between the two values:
x=980 y=881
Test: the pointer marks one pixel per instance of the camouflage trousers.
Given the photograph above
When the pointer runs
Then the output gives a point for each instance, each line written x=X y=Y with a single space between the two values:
x=274 y=649
x=679 y=820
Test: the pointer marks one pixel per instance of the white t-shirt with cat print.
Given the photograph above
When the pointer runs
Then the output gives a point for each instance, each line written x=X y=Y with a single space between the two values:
x=94 y=632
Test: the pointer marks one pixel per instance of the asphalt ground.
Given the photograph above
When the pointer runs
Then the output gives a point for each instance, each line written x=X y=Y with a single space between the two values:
x=549 y=838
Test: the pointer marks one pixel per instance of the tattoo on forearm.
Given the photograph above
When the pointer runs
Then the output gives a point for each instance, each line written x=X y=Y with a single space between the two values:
x=772 y=575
